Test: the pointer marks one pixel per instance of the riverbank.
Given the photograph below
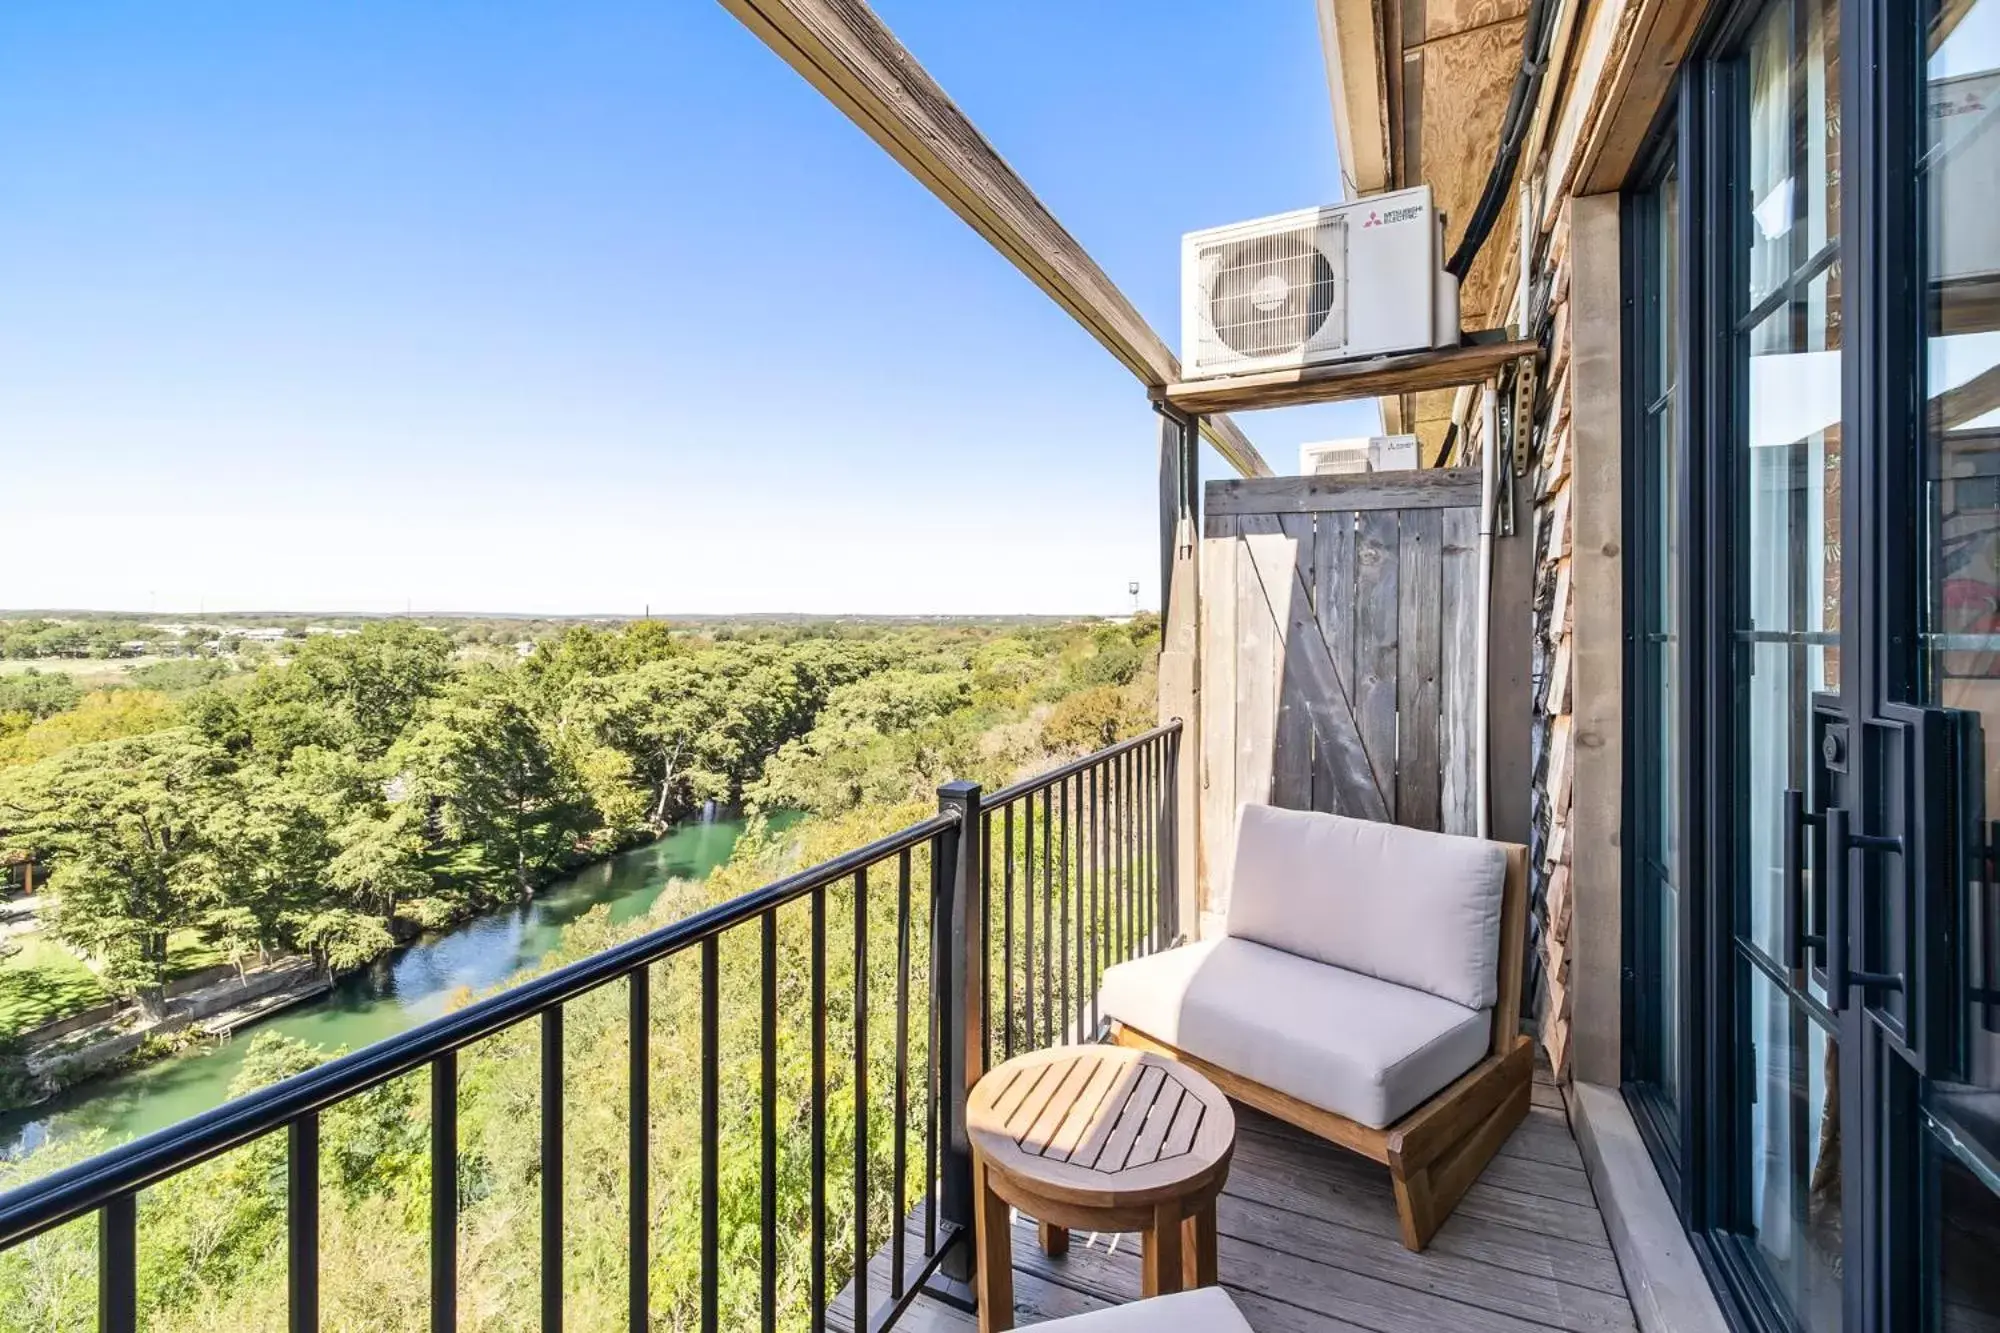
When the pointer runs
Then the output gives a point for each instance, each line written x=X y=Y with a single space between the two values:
x=94 y=1038
x=215 y=1007
x=405 y=987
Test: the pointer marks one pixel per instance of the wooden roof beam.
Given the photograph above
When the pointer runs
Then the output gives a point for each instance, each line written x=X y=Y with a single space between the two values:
x=845 y=51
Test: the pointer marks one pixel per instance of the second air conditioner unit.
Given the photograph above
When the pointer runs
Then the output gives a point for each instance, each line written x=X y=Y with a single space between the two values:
x=1321 y=284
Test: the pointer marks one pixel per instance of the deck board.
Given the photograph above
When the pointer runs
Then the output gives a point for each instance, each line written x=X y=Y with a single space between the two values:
x=1309 y=1244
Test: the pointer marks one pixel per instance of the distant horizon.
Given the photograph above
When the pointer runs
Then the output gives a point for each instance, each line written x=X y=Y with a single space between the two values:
x=20 y=613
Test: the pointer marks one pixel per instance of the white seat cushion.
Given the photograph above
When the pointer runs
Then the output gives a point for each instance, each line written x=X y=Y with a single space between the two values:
x=1357 y=1046
x=1416 y=908
x=1203 y=1310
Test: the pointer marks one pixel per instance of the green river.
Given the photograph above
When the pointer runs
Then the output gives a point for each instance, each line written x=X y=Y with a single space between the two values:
x=394 y=994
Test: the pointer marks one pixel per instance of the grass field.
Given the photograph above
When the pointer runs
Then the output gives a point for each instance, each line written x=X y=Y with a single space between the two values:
x=45 y=982
x=88 y=673
x=41 y=983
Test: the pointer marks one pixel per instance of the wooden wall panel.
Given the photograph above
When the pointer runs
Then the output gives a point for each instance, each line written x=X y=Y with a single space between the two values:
x=1458 y=673
x=1333 y=608
x=1377 y=547
x=1338 y=657
x=1259 y=659
x=1466 y=80
x=1292 y=757
x=1419 y=634
x=1444 y=17
x=1217 y=755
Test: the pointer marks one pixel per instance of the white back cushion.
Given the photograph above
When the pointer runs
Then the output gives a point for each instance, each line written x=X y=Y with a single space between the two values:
x=1415 y=908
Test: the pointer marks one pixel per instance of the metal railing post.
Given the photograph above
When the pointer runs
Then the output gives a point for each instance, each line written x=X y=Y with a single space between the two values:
x=958 y=982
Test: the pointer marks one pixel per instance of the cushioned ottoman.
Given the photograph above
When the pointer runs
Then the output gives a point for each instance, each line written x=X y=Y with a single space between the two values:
x=1203 y=1310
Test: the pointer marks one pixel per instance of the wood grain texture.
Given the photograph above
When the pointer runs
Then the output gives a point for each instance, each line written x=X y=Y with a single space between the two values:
x=1445 y=368
x=1333 y=610
x=1444 y=17
x=1217 y=748
x=1458 y=673
x=1311 y=678
x=1102 y=1127
x=845 y=51
x=1430 y=488
x=1378 y=549
x=1259 y=655
x=1292 y=754
x=1467 y=79
x=1419 y=634
x=1643 y=82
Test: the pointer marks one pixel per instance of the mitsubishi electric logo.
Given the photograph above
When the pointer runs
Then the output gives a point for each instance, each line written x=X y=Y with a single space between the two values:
x=1392 y=217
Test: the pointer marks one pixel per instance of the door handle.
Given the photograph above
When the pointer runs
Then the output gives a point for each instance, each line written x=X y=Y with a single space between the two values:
x=1842 y=841
x=1802 y=930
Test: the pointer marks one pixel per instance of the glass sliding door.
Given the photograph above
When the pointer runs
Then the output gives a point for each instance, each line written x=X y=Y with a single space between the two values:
x=1813 y=803
x=1782 y=469
x=1959 y=1049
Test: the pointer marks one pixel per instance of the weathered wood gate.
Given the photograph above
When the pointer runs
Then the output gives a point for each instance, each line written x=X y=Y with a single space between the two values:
x=1338 y=638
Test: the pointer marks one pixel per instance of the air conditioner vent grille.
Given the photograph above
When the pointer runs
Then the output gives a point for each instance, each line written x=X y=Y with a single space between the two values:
x=1273 y=293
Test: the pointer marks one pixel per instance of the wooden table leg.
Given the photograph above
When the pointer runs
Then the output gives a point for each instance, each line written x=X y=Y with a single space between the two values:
x=993 y=1228
x=1055 y=1240
x=1198 y=1248
x=1160 y=1252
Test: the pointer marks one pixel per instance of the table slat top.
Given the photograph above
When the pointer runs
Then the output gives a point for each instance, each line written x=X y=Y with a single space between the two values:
x=1105 y=1120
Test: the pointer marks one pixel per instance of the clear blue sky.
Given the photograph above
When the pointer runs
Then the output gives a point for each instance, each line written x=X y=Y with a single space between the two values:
x=584 y=306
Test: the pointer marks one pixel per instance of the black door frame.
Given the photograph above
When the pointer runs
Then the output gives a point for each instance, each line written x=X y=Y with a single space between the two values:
x=1658 y=1117
x=1883 y=407
x=1882 y=89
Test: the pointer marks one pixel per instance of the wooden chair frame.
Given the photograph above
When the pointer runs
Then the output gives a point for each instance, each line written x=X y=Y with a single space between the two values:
x=1436 y=1151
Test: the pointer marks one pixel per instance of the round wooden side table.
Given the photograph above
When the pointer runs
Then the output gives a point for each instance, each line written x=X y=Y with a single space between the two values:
x=1098 y=1138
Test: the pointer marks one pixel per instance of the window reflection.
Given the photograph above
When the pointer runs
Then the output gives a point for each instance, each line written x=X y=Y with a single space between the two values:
x=1788 y=472
x=1961 y=180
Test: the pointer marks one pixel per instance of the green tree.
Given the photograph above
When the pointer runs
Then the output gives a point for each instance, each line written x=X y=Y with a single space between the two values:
x=98 y=716
x=356 y=691
x=124 y=822
x=499 y=783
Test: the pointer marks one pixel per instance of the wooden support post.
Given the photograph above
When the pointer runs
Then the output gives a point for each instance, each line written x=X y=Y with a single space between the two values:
x=1180 y=647
x=1160 y=1252
x=1198 y=1248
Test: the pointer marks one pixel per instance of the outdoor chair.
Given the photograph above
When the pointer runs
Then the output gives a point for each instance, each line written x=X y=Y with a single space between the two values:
x=1366 y=989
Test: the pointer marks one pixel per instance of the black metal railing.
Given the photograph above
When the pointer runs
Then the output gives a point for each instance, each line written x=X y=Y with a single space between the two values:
x=1083 y=878
x=1095 y=837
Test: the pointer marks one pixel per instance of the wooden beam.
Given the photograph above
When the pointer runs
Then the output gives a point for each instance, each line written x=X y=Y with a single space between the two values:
x=1425 y=488
x=1412 y=373
x=1350 y=39
x=845 y=51
x=1644 y=79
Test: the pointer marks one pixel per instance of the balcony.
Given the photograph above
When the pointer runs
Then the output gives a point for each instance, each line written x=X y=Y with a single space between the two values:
x=1309 y=1243
x=981 y=929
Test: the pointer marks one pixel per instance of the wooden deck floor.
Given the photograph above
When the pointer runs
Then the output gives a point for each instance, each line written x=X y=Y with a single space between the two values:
x=1309 y=1245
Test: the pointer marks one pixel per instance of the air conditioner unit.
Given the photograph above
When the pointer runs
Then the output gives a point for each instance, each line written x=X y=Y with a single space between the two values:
x=1334 y=458
x=1369 y=453
x=1321 y=284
